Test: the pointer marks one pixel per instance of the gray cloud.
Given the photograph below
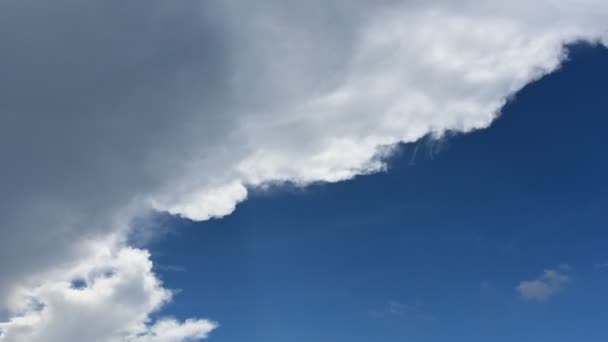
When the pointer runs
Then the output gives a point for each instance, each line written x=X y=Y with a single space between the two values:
x=544 y=287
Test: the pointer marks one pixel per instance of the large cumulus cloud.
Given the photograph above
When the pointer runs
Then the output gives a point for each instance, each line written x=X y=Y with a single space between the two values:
x=109 y=109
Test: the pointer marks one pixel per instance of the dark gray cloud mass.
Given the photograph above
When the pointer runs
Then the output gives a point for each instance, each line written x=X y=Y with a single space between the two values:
x=112 y=108
x=96 y=108
x=96 y=100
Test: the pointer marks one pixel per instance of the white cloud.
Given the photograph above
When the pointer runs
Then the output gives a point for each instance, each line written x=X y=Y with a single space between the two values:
x=119 y=293
x=110 y=109
x=544 y=287
x=169 y=330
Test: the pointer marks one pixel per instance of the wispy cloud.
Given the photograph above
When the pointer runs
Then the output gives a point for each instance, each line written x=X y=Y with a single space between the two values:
x=397 y=309
x=169 y=268
x=601 y=266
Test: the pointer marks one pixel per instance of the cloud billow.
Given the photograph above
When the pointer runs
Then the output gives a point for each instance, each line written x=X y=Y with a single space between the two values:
x=112 y=109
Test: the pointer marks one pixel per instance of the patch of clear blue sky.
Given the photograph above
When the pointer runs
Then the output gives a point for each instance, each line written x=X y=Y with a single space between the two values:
x=431 y=250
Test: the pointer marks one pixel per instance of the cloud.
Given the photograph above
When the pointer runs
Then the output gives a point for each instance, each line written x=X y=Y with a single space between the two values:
x=397 y=309
x=112 y=109
x=117 y=291
x=172 y=331
x=544 y=287
x=601 y=266
x=393 y=308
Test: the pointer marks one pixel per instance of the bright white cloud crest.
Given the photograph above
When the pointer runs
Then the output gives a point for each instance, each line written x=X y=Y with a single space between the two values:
x=111 y=109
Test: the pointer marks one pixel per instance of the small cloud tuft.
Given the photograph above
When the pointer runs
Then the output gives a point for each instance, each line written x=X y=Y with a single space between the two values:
x=549 y=283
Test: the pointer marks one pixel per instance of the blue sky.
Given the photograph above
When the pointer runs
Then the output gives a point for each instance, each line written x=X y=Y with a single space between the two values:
x=431 y=250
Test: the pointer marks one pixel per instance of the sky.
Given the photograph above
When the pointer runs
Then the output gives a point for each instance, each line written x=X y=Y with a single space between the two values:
x=435 y=248
x=271 y=171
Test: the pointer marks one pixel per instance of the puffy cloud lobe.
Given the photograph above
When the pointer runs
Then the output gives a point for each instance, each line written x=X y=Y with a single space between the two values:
x=118 y=293
x=113 y=108
x=546 y=286
x=169 y=330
